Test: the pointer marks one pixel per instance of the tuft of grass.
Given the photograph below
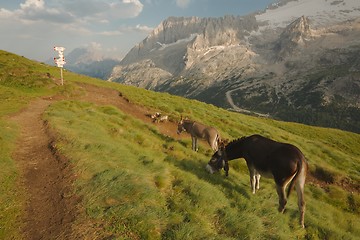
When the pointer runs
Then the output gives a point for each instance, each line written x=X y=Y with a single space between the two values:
x=11 y=198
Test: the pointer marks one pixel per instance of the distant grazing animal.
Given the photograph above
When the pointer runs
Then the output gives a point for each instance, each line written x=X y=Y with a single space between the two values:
x=283 y=161
x=198 y=130
x=155 y=116
x=158 y=117
x=163 y=118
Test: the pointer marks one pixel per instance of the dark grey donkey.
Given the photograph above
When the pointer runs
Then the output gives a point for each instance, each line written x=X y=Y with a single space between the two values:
x=198 y=130
x=283 y=161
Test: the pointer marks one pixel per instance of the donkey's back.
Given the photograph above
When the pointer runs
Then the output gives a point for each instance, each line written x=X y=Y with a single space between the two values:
x=199 y=130
x=267 y=154
x=210 y=134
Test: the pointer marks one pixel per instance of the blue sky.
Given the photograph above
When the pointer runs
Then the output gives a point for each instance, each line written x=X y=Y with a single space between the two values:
x=32 y=27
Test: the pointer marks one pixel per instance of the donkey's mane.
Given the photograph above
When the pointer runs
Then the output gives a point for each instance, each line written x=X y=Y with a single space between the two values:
x=235 y=141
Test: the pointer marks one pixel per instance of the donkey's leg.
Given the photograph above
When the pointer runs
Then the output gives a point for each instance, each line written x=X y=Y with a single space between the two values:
x=214 y=144
x=301 y=204
x=300 y=183
x=257 y=177
x=252 y=173
x=196 y=145
x=193 y=143
x=282 y=197
x=253 y=183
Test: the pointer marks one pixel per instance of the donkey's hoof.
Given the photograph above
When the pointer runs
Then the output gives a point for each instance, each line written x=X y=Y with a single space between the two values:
x=281 y=209
x=302 y=223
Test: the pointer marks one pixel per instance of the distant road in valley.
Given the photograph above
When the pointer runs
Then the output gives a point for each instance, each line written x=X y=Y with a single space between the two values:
x=241 y=110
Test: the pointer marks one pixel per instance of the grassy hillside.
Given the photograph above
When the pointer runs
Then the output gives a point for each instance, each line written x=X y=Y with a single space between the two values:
x=21 y=80
x=136 y=183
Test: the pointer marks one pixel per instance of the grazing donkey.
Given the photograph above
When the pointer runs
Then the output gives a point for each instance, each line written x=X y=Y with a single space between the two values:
x=283 y=161
x=198 y=130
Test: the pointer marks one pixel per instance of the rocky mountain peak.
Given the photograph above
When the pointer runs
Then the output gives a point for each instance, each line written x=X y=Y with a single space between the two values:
x=172 y=29
x=177 y=41
x=294 y=35
x=298 y=31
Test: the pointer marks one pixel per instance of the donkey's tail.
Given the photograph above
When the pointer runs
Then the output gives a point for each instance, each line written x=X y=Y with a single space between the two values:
x=218 y=141
x=295 y=178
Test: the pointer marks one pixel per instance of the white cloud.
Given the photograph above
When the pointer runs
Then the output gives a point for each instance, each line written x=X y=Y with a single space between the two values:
x=182 y=3
x=4 y=13
x=126 y=9
x=94 y=46
x=111 y=33
x=35 y=11
x=142 y=28
x=103 y=11
x=32 y=4
x=33 y=27
x=85 y=8
x=69 y=11
x=137 y=28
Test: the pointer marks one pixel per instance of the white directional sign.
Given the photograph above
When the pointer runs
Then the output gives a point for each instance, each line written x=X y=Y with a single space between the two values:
x=60 y=61
x=59 y=49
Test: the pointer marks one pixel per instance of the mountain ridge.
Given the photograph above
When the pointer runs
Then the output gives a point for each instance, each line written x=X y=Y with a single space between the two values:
x=277 y=66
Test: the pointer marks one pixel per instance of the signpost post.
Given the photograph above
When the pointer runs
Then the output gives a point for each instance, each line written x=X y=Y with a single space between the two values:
x=60 y=61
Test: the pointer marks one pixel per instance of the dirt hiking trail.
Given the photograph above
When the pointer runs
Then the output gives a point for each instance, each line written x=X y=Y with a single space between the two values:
x=48 y=213
x=51 y=209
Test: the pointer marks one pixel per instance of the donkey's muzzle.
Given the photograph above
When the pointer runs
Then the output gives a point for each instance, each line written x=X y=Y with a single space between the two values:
x=209 y=169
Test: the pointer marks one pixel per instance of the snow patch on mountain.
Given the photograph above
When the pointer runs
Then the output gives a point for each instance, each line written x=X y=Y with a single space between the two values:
x=185 y=40
x=320 y=12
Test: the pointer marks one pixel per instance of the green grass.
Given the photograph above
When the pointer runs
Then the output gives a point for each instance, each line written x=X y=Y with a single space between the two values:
x=140 y=188
x=22 y=80
x=136 y=183
x=10 y=202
